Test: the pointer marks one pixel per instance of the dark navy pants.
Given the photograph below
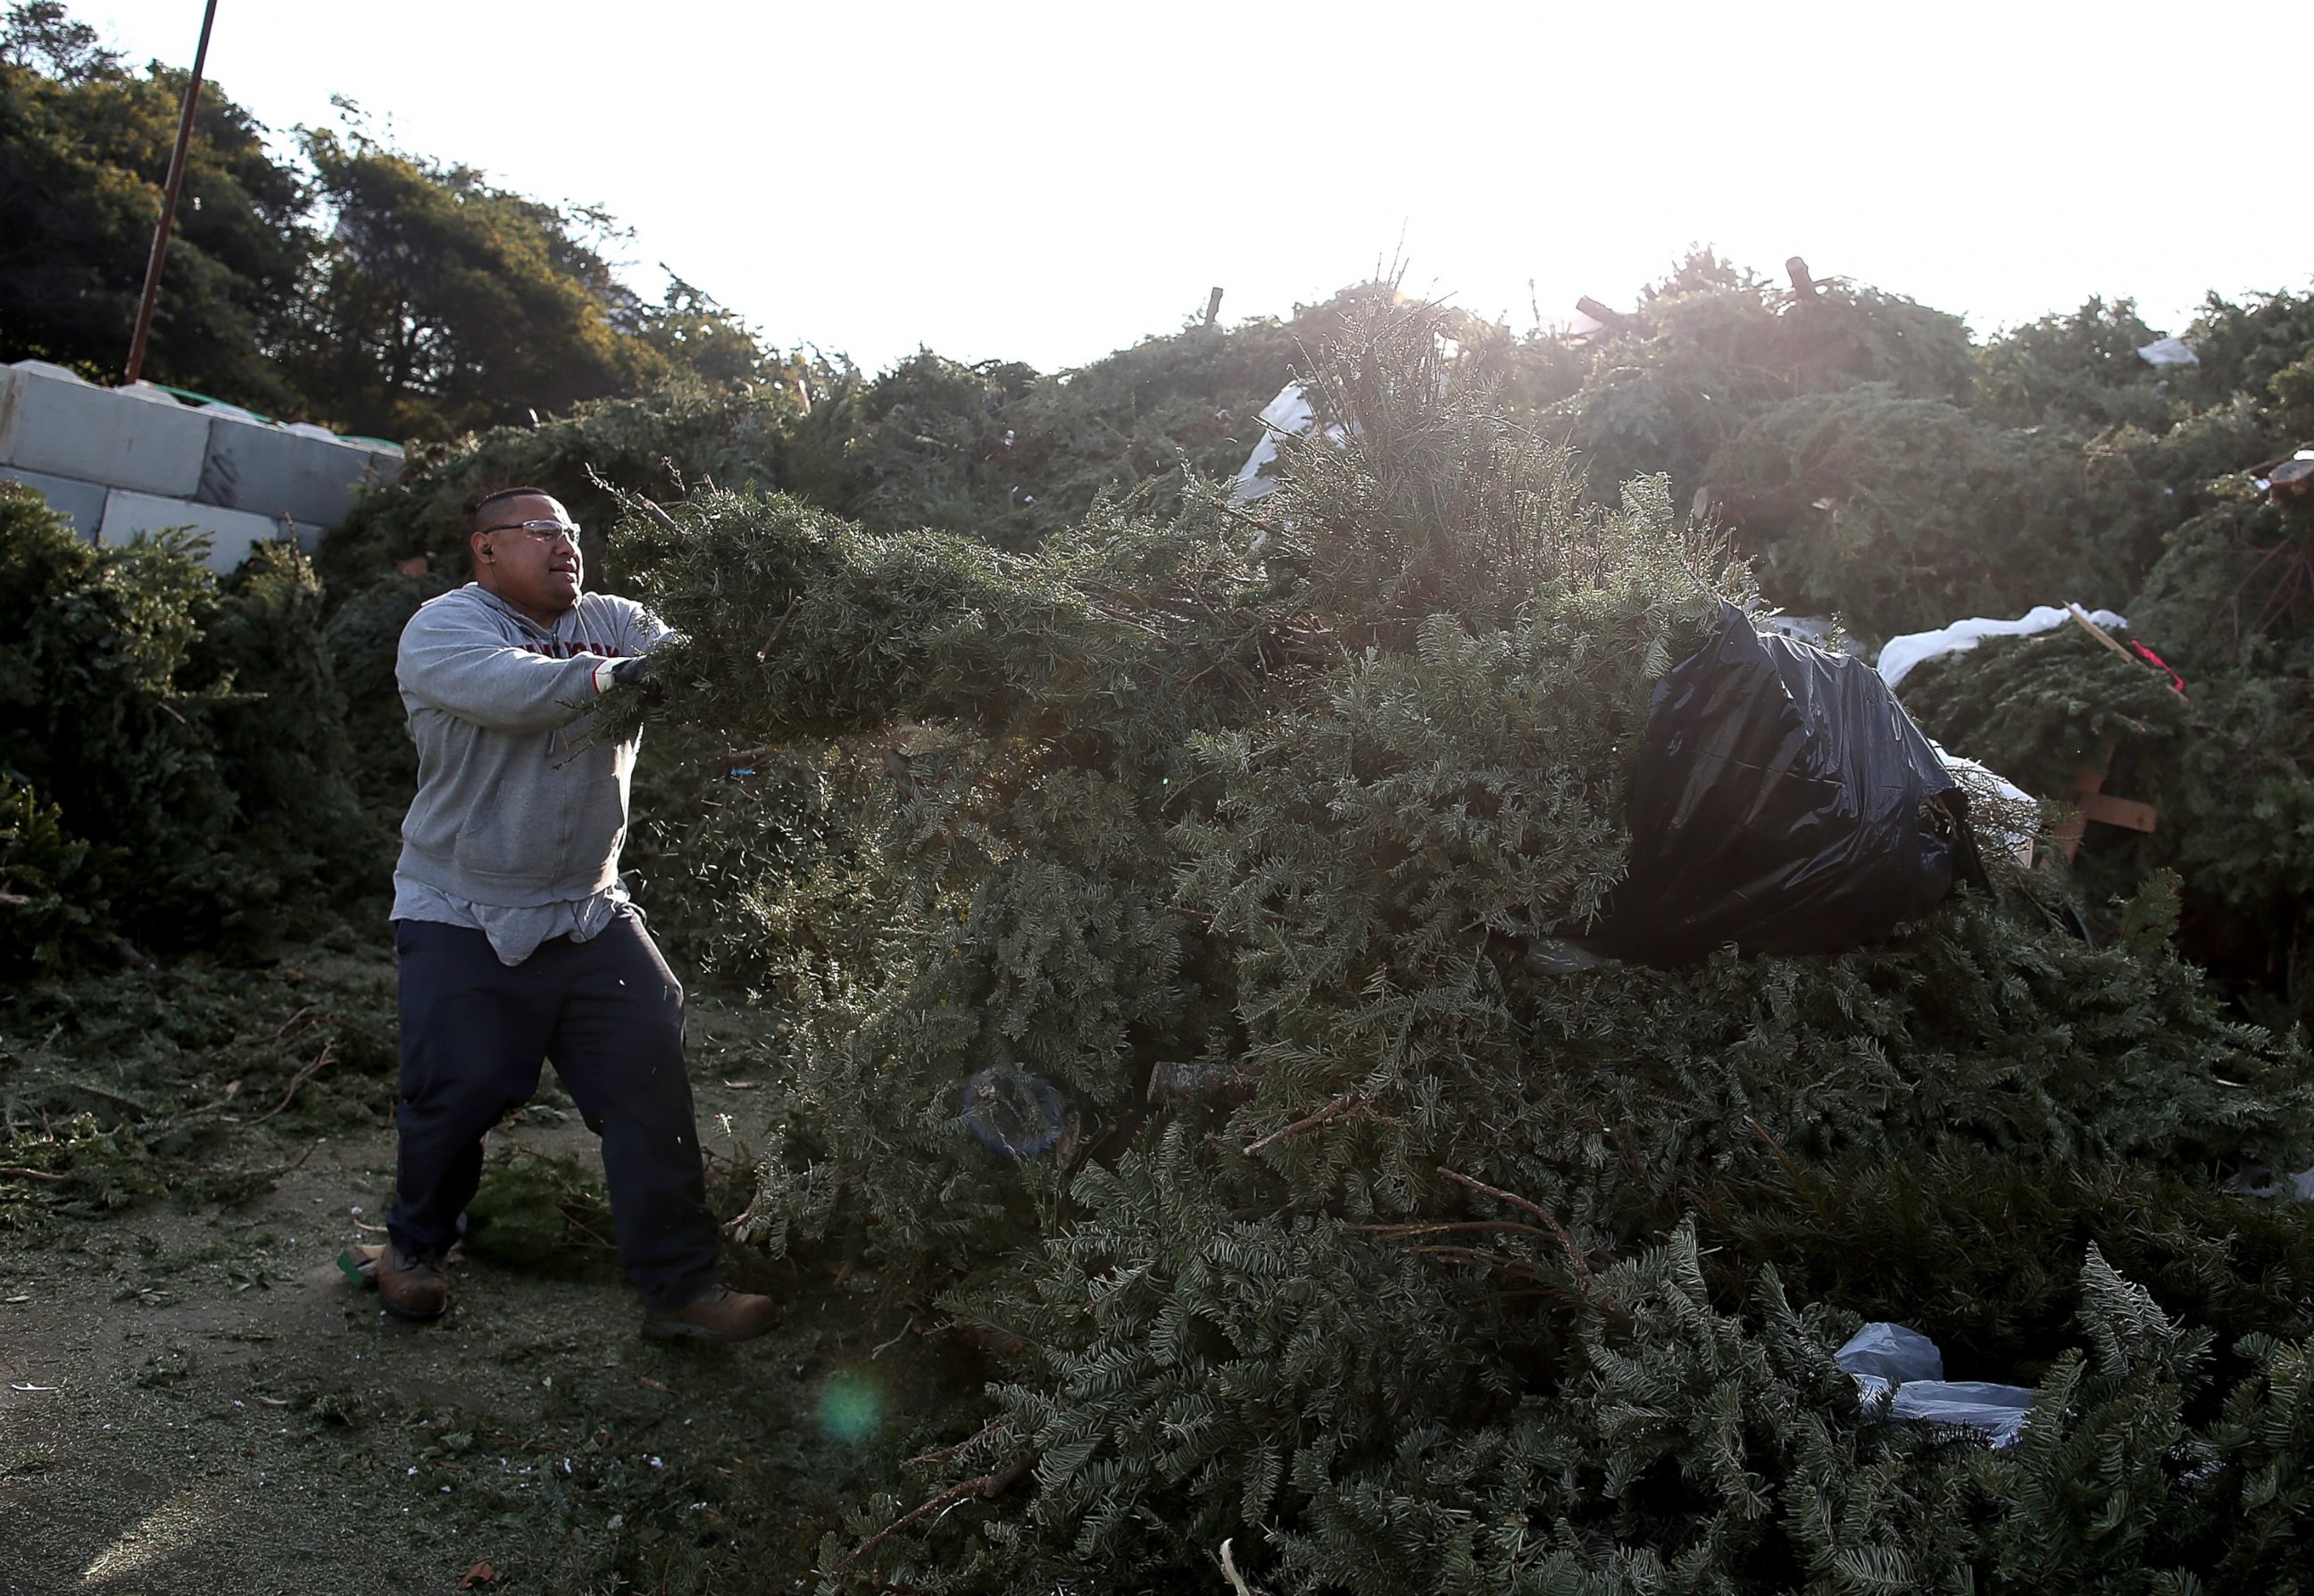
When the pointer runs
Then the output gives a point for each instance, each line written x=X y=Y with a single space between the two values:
x=609 y=1013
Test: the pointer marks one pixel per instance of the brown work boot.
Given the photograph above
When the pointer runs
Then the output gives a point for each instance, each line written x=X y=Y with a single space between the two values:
x=412 y=1288
x=721 y=1314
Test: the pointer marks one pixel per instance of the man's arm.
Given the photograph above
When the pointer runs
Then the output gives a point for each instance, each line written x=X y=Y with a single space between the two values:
x=466 y=671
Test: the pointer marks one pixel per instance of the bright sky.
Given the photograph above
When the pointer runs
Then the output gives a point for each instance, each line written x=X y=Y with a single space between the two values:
x=1047 y=182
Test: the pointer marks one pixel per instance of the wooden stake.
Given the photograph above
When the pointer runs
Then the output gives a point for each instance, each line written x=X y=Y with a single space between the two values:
x=2091 y=802
x=168 y=206
x=2081 y=618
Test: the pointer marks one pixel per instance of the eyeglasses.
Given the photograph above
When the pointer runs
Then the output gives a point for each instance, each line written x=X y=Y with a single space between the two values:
x=546 y=532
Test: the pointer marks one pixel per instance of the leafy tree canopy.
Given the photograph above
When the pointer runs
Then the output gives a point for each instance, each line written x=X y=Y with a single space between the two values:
x=338 y=279
x=441 y=304
x=84 y=147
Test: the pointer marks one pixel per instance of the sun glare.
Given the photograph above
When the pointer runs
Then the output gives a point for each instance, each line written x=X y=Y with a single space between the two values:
x=172 y=1527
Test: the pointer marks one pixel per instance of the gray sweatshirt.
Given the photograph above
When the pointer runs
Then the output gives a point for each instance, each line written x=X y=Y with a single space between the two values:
x=516 y=805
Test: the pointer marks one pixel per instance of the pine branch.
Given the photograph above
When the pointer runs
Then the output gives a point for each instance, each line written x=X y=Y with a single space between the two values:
x=1567 y=1242
x=989 y=1431
x=327 y=1057
x=984 y=1486
x=1340 y=1104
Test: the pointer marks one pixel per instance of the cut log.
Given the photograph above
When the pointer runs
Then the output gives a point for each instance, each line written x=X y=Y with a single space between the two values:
x=1797 y=270
x=2293 y=483
x=1200 y=1080
x=1601 y=313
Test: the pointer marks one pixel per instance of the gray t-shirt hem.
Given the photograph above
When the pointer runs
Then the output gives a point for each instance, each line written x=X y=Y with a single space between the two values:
x=515 y=933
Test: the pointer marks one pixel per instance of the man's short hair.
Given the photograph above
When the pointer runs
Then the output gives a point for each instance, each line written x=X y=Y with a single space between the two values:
x=480 y=511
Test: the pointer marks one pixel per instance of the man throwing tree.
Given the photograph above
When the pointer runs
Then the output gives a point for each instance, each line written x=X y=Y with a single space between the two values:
x=515 y=942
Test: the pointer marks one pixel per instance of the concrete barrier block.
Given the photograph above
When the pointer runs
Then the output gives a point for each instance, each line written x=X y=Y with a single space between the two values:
x=94 y=435
x=79 y=503
x=272 y=470
x=230 y=532
x=389 y=465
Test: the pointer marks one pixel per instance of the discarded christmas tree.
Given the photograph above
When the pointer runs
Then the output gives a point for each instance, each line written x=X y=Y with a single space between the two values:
x=172 y=749
x=1157 y=950
x=2224 y=753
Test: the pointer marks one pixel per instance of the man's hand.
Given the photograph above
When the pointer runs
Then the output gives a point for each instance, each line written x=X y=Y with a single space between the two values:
x=637 y=673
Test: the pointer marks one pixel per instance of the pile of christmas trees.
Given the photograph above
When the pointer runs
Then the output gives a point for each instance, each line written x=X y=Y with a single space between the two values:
x=173 y=766
x=2218 y=736
x=1155 y=913
x=1870 y=460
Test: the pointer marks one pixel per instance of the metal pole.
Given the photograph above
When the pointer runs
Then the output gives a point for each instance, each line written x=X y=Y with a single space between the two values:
x=169 y=204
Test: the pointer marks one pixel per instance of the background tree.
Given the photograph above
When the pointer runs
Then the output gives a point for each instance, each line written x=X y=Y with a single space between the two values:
x=346 y=281
x=84 y=147
x=2078 y=370
x=698 y=337
x=441 y=304
x=43 y=36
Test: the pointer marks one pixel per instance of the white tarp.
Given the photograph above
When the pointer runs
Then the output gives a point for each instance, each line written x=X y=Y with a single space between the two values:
x=1899 y=655
x=1289 y=414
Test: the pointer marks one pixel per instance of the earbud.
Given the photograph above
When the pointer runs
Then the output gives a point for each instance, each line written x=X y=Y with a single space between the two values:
x=489 y=552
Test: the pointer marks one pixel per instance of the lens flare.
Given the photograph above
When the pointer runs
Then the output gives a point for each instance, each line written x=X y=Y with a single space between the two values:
x=850 y=1404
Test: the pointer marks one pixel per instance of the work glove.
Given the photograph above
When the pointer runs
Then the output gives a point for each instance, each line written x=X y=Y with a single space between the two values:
x=636 y=673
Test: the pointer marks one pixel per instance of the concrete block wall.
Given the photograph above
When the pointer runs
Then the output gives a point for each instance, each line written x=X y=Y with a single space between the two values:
x=65 y=427
x=269 y=471
x=232 y=534
x=119 y=461
x=79 y=503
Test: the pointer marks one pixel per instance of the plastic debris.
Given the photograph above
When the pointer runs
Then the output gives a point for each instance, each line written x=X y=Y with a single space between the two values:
x=1011 y=1111
x=1996 y=1412
x=1783 y=803
x=1579 y=328
x=1893 y=1353
x=1899 y=1374
x=1815 y=630
x=2256 y=1180
x=1900 y=655
x=1557 y=955
x=2169 y=351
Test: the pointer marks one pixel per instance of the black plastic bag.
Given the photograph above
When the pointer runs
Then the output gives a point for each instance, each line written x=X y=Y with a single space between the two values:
x=1784 y=803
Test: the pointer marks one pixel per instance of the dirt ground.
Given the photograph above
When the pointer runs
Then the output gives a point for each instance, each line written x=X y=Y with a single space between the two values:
x=197 y=1401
